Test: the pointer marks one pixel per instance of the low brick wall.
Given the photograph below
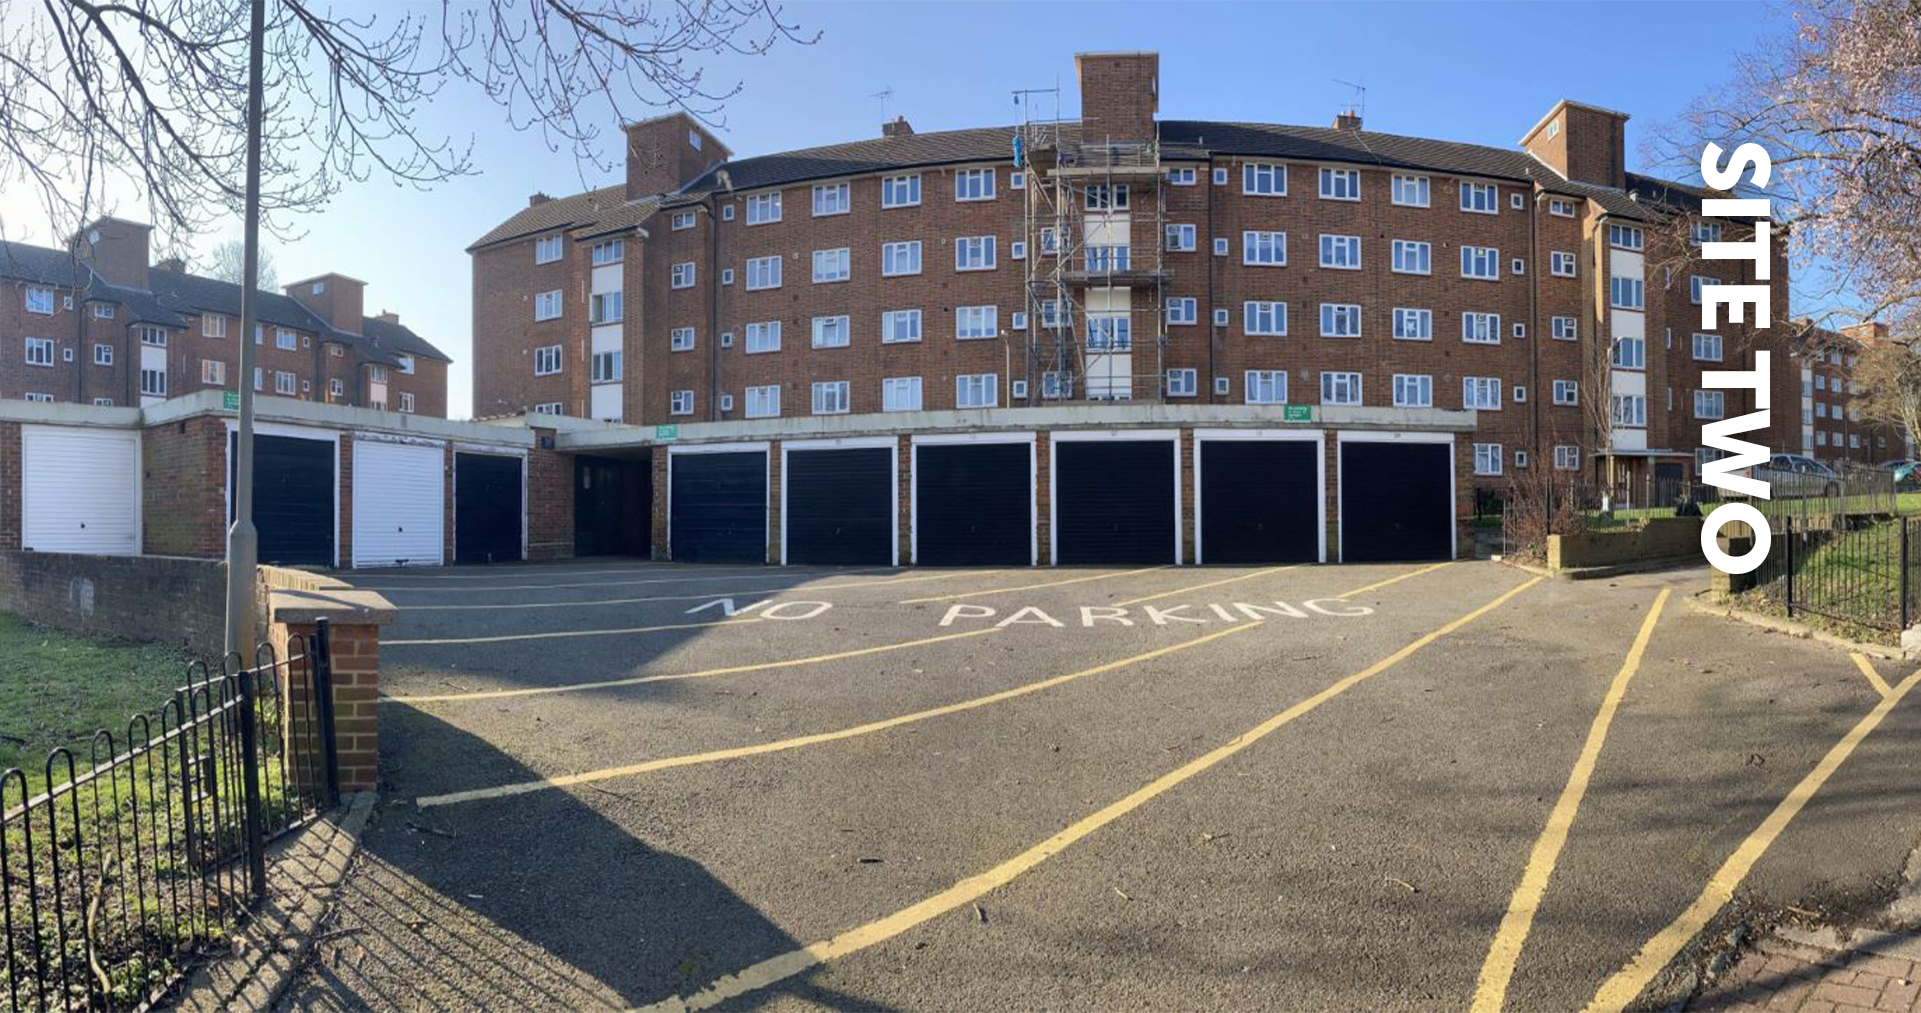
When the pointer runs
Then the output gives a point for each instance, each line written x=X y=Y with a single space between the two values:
x=161 y=599
x=1654 y=540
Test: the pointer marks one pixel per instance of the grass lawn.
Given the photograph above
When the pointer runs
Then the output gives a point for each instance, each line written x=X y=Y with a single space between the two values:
x=1906 y=503
x=57 y=689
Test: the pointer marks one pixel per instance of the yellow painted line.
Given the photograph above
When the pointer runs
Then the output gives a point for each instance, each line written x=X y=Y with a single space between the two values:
x=706 y=596
x=570 y=633
x=761 y=573
x=1874 y=678
x=1377 y=585
x=1030 y=587
x=539 y=571
x=702 y=674
x=794 y=962
x=1628 y=982
x=1490 y=991
x=782 y=745
x=1201 y=587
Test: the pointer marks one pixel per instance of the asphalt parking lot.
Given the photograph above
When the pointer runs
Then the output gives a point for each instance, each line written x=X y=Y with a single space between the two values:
x=1326 y=787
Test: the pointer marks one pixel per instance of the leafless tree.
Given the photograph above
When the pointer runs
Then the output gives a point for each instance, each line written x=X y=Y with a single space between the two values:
x=109 y=102
x=228 y=263
x=1889 y=373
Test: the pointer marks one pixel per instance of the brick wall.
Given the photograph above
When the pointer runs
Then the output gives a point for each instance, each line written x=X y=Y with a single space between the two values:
x=550 y=501
x=183 y=488
x=354 y=651
x=164 y=599
x=9 y=486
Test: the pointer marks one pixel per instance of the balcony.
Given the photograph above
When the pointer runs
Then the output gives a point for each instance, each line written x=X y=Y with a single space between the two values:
x=1112 y=266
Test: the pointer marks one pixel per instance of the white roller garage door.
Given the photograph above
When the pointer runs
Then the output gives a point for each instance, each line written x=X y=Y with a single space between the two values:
x=399 y=503
x=81 y=490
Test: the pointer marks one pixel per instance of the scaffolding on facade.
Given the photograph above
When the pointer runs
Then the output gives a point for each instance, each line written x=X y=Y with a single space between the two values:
x=1095 y=234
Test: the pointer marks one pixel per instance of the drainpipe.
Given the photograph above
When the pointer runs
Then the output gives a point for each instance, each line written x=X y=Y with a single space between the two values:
x=1534 y=328
x=713 y=306
x=1213 y=330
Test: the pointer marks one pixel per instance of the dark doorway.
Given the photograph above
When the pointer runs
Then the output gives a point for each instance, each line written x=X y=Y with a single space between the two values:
x=720 y=507
x=1260 y=501
x=1114 y=501
x=487 y=508
x=613 y=506
x=293 y=498
x=840 y=506
x=974 y=504
x=1396 y=502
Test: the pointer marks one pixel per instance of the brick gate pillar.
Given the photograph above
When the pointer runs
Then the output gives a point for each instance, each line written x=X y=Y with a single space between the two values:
x=354 y=619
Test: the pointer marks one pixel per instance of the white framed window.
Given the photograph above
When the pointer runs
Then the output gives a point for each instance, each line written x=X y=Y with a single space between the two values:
x=1413 y=390
x=546 y=249
x=405 y=363
x=681 y=221
x=610 y=252
x=213 y=371
x=1264 y=319
x=259 y=378
x=1056 y=385
x=897 y=259
x=1341 y=252
x=1017 y=180
x=1630 y=410
x=762 y=337
x=1567 y=392
x=335 y=349
x=726 y=276
x=1050 y=240
x=974 y=253
x=285 y=383
x=1487 y=459
x=1710 y=404
x=604 y=367
x=1410 y=191
x=1413 y=324
x=830 y=398
x=1264 y=179
x=336 y=387
x=1223 y=385
x=1565 y=329
x=213 y=325
x=103 y=354
x=1340 y=388
x=763 y=402
x=1107 y=257
x=1520 y=394
x=1519 y=266
x=1695 y=284
x=1106 y=197
x=547 y=408
x=39 y=351
x=66 y=355
x=1707 y=347
x=831 y=199
x=1481 y=392
x=1183 y=176
x=1567 y=458
x=1340 y=320
x=976 y=322
x=606 y=307
x=1183 y=310
x=1820 y=410
x=1519 y=329
x=900 y=394
x=1561 y=264
x=1481 y=198
x=1412 y=256
x=1266 y=386
x=1481 y=328
x=1518 y=203
x=1707 y=232
x=680 y=402
x=1221 y=317
x=680 y=339
x=547 y=305
x=153 y=382
x=41 y=398
x=1182 y=382
x=900 y=191
x=1626 y=293
x=1220 y=246
x=407 y=402
x=40 y=300
x=1561 y=207
x=103 y=402
x=1627 y=237
x=1483 y=262
x=832 y=332
x=974 y=184
x=1181 y=238
x=1340 y=184
x=1109 y=332
x=1264 y=249
x=377 y=374
x=547 y=360
x=1630 y=353
x=1018 y=321
x=897 y=326
x=763 y=208
x=976 y=390
x=283 y=338
x=1220 y=177
x=763 y=273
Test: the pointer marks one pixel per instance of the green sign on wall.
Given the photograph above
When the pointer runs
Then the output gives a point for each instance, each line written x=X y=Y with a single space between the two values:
x=230 y=400
x=666 y=432
x=1297 y=413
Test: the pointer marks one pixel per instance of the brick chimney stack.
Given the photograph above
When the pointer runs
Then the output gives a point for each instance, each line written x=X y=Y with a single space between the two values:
x=1347 y=120
x=537 y=200
x=1584 y=143
x=388 y=317
x=668 y=152
x=896 y=127
x=338 y=299
x=116 y=249
x=174 y=264
x=1120 y=93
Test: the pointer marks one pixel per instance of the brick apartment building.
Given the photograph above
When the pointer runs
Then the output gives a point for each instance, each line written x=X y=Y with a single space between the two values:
x=1832 y=429
x=1122 y=257
x=101 y=325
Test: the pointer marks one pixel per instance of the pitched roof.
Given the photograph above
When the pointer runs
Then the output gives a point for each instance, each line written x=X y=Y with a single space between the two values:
x=559 y=212
x=173 y=294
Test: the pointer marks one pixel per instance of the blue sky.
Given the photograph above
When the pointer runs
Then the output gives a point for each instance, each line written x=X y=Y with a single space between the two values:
x=1468 y=72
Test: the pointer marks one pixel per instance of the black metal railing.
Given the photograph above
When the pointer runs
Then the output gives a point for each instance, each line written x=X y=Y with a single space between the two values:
x=118 y=867
x=1857 y=569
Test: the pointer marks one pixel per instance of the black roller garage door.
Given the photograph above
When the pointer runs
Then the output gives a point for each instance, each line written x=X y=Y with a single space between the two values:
x=293 y=498
x=1259 y=501
x=840 y=505
x=1114 y=501
x=1395 y=503
x=720 y=507
x=974 y=504
x=487 y=508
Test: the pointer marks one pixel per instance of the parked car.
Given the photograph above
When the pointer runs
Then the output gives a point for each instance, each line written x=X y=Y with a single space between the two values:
x=1795 y=475
x=1907 y=473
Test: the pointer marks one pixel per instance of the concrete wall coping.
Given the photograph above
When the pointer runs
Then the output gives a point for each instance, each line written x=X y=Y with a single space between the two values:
x=66 y=413
x=332 y=416
x=611 y=437
x=343 y=606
